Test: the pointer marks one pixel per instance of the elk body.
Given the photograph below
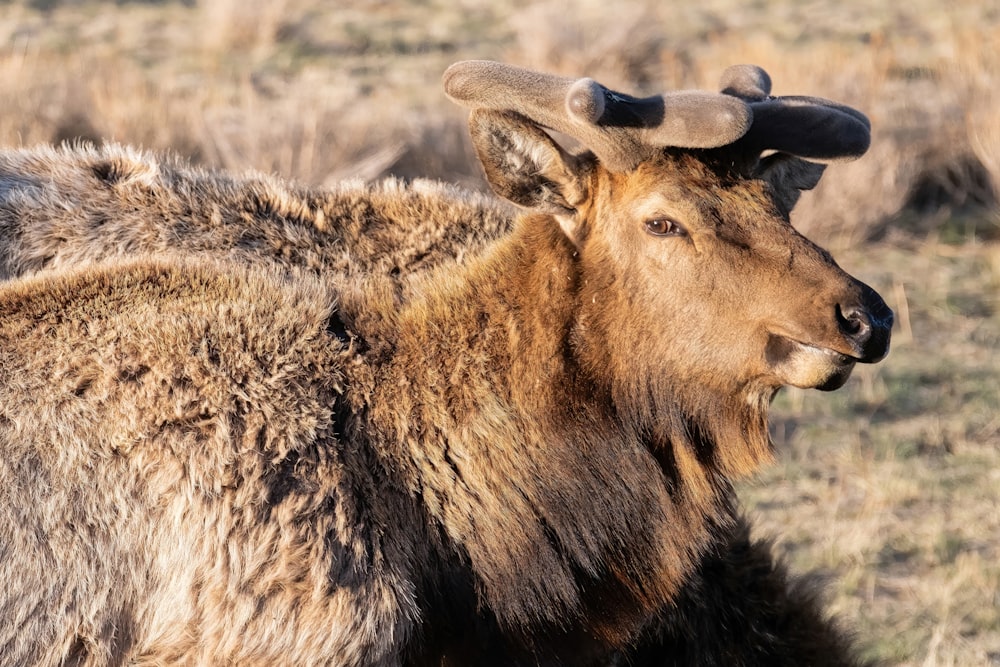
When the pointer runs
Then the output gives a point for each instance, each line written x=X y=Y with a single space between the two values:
x=520 y=455
x=63 y=207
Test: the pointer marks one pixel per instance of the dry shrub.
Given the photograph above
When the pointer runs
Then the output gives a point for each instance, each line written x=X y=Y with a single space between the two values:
x=935 y=146
x=440 y=147
x=298 y=133
x=303 y=127
x=978 y=67
x=240 y=26
x=617 y=44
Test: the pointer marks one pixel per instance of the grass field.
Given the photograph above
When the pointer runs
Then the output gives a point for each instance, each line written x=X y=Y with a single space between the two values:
x=891 y=487
x=888 y=489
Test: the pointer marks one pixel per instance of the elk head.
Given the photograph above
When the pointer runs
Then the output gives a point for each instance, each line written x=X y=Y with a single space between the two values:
x=693 y=283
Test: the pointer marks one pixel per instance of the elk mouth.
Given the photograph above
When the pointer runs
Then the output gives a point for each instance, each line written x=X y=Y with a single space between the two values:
x=808 y=366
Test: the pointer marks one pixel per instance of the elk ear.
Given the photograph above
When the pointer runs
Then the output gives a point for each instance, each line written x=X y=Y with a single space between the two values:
x=789 y=176
x=526 y=166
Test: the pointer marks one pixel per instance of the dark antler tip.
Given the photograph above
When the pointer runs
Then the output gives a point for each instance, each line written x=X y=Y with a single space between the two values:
x=585 y=101
x=857 y=144
x=747 y=81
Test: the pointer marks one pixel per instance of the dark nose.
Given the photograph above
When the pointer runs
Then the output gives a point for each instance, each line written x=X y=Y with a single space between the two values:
x=868 y=325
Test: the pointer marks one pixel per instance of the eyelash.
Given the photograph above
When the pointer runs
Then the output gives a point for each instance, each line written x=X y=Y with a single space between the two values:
x=664 y=227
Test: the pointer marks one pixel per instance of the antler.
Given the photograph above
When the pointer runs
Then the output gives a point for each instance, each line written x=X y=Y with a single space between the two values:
x=623 y=130
x=809 y=127
x=620 y=129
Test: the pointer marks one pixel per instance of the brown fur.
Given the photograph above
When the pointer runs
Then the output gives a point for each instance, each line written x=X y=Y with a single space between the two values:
x=61 y=206
x=159 y=508
x=531 y=446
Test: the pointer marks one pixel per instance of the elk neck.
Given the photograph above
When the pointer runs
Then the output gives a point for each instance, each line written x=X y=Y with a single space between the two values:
x=523 y=462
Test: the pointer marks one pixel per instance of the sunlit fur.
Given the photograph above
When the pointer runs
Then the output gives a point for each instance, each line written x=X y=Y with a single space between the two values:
x=61 y=206
x=340 y=447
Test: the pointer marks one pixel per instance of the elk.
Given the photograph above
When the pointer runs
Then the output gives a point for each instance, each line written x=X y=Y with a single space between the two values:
x=525 y=456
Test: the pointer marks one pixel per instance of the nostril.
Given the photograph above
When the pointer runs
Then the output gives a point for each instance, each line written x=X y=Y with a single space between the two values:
x=854 y=322
x=866 y=323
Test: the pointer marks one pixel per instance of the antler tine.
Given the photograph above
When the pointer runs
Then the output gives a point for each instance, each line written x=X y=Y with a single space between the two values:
x=620 y=129
x=748 y=82
x=808 y=127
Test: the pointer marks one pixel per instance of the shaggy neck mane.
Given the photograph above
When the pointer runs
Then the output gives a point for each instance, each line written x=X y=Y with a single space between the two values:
x=565 y=506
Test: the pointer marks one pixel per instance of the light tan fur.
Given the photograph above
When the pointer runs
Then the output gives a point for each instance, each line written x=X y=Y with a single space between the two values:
x=144 y=408
x=61 y=206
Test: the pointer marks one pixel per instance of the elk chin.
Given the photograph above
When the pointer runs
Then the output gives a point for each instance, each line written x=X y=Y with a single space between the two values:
x=807 y=366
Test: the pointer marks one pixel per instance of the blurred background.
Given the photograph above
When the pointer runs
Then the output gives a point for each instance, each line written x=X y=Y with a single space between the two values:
x=888 y=490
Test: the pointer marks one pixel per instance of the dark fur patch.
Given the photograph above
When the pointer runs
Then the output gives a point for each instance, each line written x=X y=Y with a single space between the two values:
x=133 y=374
x=82 y=387
x=110 y=171
x=740 y=607
x=281 y=481
x=336 y=327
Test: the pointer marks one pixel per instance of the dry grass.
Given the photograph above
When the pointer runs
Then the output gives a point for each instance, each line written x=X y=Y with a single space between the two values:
x=891 y=487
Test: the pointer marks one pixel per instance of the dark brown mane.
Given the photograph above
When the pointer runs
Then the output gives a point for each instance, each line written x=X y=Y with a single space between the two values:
x=536 y=563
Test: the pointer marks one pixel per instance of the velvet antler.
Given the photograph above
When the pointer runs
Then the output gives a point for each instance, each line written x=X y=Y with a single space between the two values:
x=809 y=127
x=620 y=129
x=623 y=130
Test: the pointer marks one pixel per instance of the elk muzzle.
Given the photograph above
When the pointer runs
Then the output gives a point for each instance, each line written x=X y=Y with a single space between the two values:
x=867 y=325
x=861 y=333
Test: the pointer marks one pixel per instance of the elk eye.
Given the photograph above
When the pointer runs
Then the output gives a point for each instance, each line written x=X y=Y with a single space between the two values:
x=664 y=227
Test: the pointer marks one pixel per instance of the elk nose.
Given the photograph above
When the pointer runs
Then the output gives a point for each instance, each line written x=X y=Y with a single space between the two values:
x=868 y=327
x=854 y=323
